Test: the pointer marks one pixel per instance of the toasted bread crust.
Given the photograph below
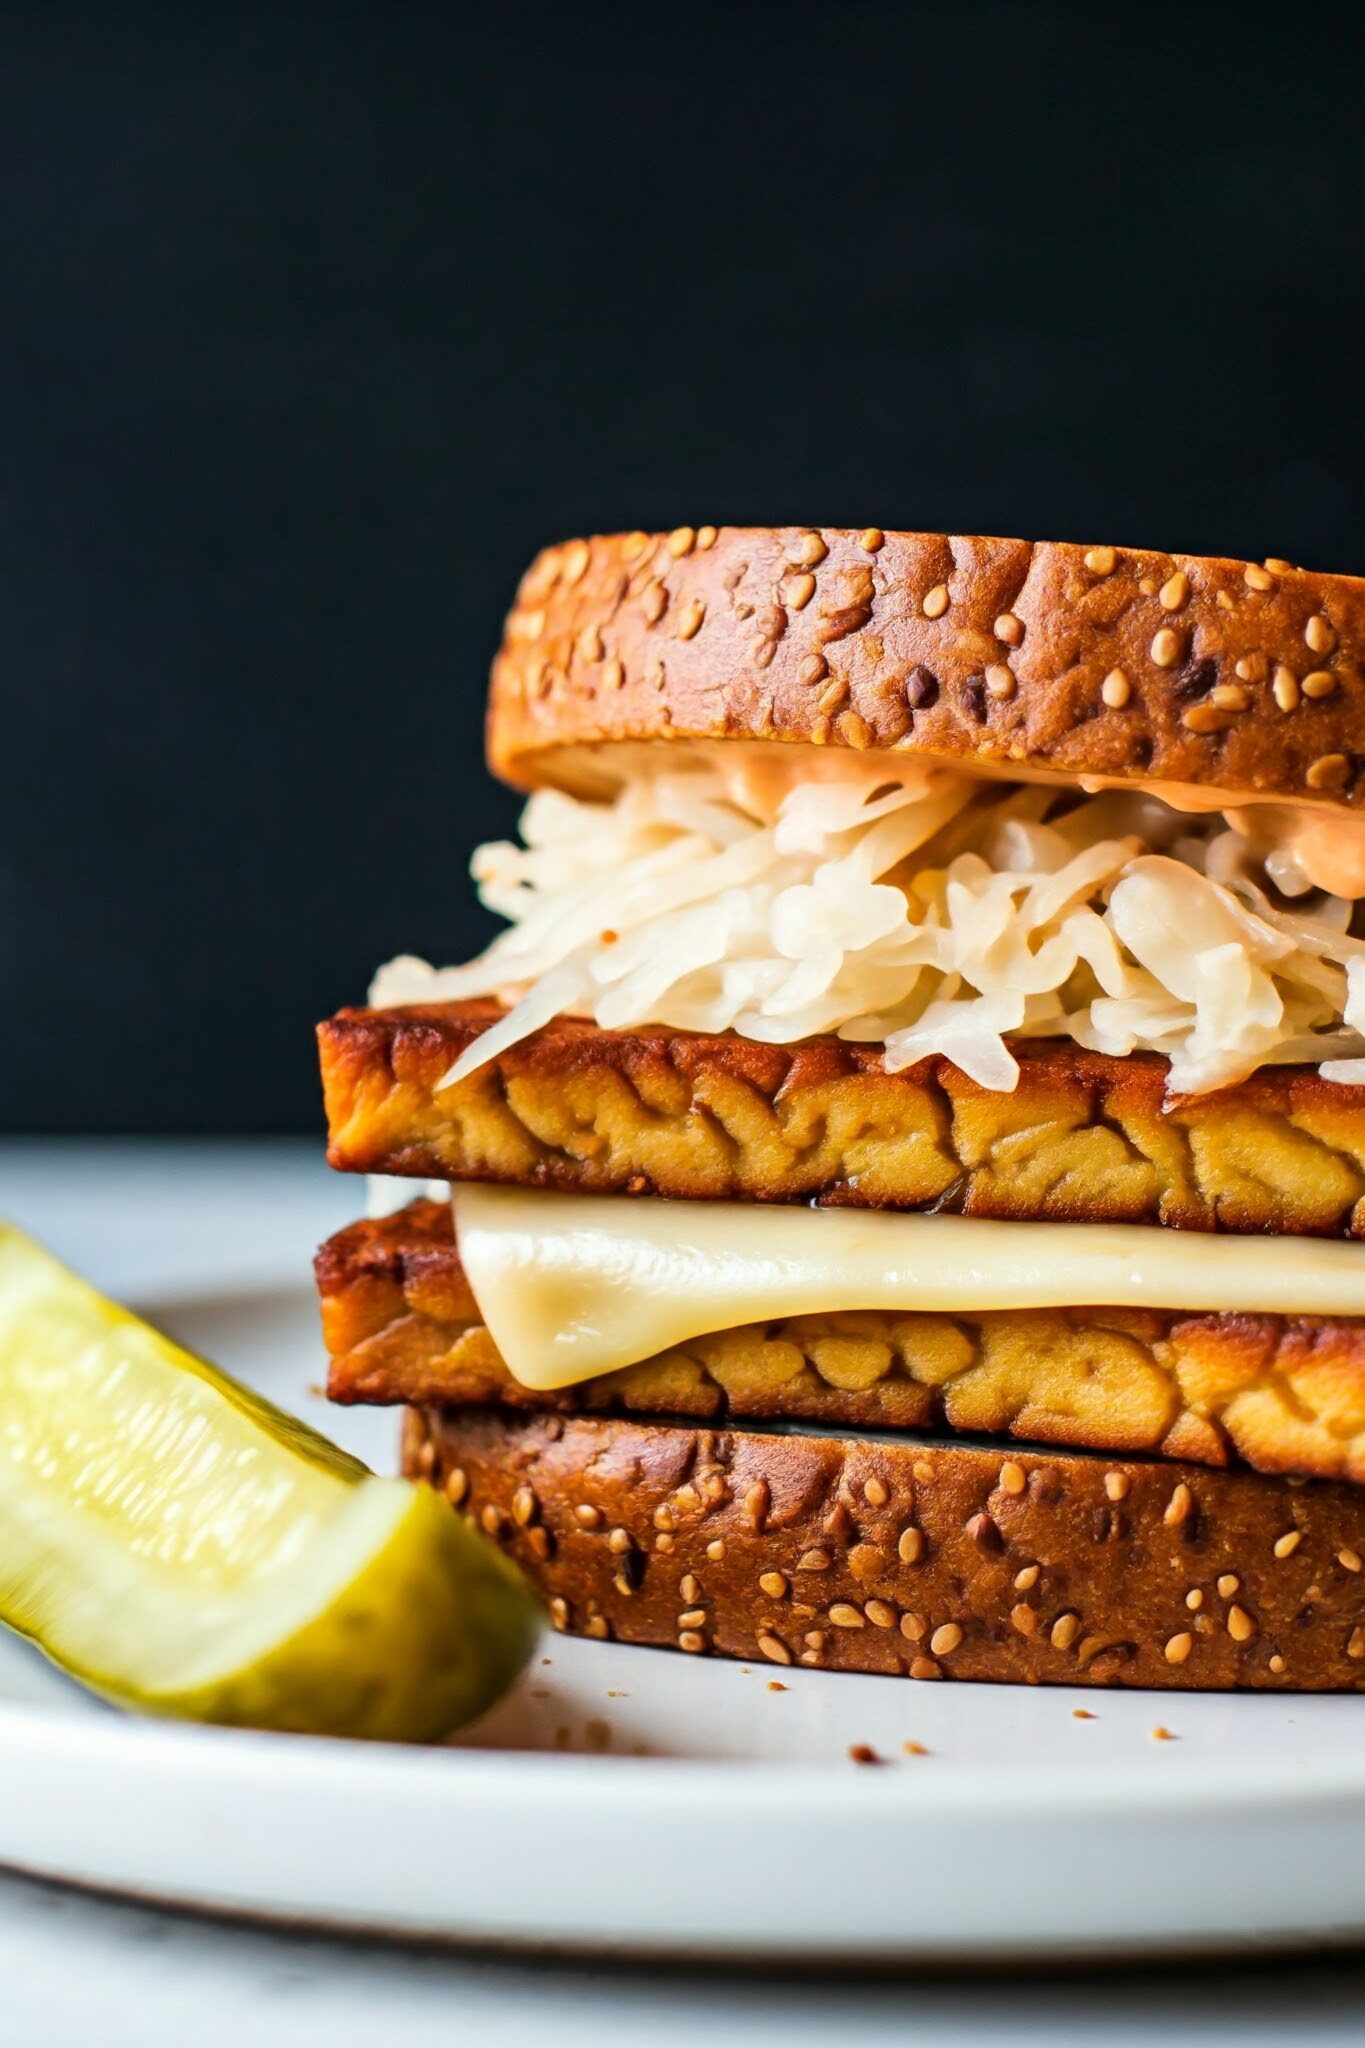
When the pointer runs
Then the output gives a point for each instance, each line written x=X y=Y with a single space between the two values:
x=931 y=1560
x=958 y=648
x=1282 y=1394
x=1084 y=1137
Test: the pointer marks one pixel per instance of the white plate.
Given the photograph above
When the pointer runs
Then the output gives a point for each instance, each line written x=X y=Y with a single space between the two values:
x=639 y=1801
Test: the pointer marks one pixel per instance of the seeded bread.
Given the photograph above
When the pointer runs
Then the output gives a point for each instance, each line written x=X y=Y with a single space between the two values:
x=917 y=1558
x=1002 y=653
x=1084 y=1137
x=1283 y=1394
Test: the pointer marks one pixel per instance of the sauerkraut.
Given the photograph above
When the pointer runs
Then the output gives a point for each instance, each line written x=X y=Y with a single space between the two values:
x=891 y=902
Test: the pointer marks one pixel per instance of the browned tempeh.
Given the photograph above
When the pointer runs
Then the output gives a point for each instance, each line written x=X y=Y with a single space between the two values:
x=656 y=1111
x=1282 y=1394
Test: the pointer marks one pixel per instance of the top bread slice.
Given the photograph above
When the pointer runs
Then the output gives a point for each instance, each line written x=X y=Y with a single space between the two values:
x=1006 y=656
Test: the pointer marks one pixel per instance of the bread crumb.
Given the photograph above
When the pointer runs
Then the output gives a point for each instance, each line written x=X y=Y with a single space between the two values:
x=863 y=1753
x=776 y=1685
x=1083 y=1714
x=1160 y=1734
x=614 y=1692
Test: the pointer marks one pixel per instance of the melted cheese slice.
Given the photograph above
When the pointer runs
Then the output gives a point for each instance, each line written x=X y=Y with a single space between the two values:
x=570 y=1286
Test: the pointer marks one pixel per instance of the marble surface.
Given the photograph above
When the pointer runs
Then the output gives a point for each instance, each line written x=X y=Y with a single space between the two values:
x=76 y=1969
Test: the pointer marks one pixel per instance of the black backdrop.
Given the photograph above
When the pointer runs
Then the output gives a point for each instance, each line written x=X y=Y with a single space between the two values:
x=316 y=322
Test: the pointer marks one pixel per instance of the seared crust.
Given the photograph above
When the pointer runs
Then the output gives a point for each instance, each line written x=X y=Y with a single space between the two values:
x=926 y=1559
x=657 y=1111
x=1283 y=1394
x=954 y=647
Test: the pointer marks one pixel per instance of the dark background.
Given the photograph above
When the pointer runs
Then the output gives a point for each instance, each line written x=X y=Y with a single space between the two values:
x=316 y=322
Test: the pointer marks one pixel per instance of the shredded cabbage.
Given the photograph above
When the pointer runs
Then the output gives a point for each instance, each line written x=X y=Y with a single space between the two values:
x=911 y=906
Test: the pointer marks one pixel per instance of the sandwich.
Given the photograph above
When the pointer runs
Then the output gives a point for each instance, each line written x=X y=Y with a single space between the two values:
x=891 y=1199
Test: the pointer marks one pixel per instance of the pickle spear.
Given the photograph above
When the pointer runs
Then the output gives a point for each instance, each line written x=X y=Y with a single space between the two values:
x=185 y=1548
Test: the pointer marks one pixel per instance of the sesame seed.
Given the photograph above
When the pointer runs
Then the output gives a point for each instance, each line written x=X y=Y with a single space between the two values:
x=1027 y=1579
x=813 y=670
x=922 y=1470
x=945 y=1639
x=692 y=1641
x=845 y=1615
x=491 y=1520
x=1206 y=719
x=619 y=1542
x=694 y=1617
x=457 y=1485
x=999 y=680
x=1286 y=1545
x=1178 y=1506
x=613 y=675
x=1166 y=647
x=689 y=624
x=916 y=1749
x=1285 y=688
x=814 y=1639
x=1225 y=601
x=1257 y=578
x=833 y=694
x=1175 y=591
x=1163 y=1734
x=924 y=1667
x=1277 y=1661
x=1178 y=1647
x=1100 y=561
x=774 y=1649
x=1228 y=1584
x=809 y=551
x=875 y=1491
x=559 y=1612
x=689 y=1586
x=774 y=1584
x=1279 y=565
x=1012 y=1478
x=654 y=601
x=813 y=1561
x=854 y=729
x=1024 y=1618
x=1329 y=771
x=426 y=1458
x=681 y=541
x=1064 y=1631
x=1349 y=1560
x=756 y=1502
x=1241 y=1627
x=798 y=590
x=1194 y=1599
x=1117 y=1485
x=1083 y=1714
x=1229 y=696
x=663 y=1541
x=935 y=601
x=881 y=1614
x=872 y=538
x=713 y=1486
x=663 y=1516
x=599 y=1628
x=590 y=643
x=1356 y=1646
x=575 y=561
x=624 y=1583
x=1116 y=689
x=1319 y=635
x=706 y=537
x=1319 y=682
x=1253 y=668
x=524 y=1505
x=1009 y=629
x=911 y=1546
x=913 y=1627
x=587 y=1517
x=715 y=1550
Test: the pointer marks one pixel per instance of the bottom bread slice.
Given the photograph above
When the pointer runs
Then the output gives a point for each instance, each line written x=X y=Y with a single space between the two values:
x=927 y=1559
